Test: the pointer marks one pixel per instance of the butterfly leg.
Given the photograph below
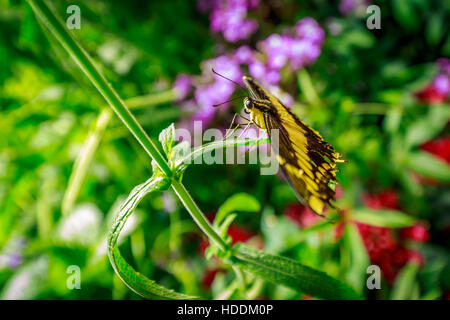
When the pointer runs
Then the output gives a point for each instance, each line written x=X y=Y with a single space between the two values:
x=249 y=123
x=230 y=133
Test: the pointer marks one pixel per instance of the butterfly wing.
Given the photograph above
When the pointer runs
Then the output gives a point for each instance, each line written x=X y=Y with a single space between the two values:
x=307 y=161
x=307 y=171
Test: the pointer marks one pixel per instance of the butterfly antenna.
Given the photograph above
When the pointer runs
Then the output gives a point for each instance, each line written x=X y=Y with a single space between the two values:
x=219 y=104
x=214 y=71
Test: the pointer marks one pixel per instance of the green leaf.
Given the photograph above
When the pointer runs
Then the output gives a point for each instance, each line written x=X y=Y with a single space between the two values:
x=223 y=228
x=360 y=38
x=434 y=29
x=383 y=218
x=167 y=138
x=237 y=202
x=307 y=87
x=133 y=279
x=428 y=127
x=356 y=258
x=404 y=284
x=292 y=274
x=428 y=165
x=404 y=13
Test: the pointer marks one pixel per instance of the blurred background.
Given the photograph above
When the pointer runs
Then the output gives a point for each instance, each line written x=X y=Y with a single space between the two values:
x=380 y=97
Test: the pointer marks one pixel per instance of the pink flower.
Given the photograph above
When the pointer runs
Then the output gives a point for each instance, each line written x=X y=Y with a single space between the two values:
x=439 y=147
x=301 y=215
x=430 y=95
x=183 y=85
x=442 y=84
x=387 y=199
x=309 y=29
x=417 y=232
x=244 y=55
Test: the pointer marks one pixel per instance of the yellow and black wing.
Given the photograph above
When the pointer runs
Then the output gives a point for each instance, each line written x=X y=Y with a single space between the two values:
x=305 y=158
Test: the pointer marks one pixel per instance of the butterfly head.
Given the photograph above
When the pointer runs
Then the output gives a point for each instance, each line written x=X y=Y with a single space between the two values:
x=248 y=104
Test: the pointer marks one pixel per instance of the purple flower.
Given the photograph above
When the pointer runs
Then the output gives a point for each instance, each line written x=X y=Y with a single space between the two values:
x=273 y=77
x=182 y=86
x=273 y=44
x=303 y=52
x=244 y=55
x=277 y=60
x=252 y=4
x=444 y=65
x=257 y=69
x=204 y=5
x=230 y=18
x=15 y=260
x=347 y=6
x=442 y=84
x=220 y=90
x=309 y=29
x=299 y=51
x=276 y=48
x=353 y=6
x=225 y=66
x=284 y=97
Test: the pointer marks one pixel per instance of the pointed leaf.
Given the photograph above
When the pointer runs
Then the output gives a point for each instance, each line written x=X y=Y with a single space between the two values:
x=237 y=202
x=292 y=274
x=383 y=218
x=133 y=279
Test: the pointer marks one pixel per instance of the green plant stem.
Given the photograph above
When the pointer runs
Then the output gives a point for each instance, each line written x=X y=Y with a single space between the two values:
x=86 y=155
x=196 y=214
x=83 y=161
x=85 y=62
x=240 y=276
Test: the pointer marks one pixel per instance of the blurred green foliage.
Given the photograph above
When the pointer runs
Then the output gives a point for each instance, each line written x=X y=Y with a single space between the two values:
x=365 y=82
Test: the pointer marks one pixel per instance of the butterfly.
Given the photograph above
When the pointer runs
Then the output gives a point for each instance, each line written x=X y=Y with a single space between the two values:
x=307 y=161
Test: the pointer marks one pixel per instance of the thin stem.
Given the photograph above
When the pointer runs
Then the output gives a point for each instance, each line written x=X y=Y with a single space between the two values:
x=86 y=155
x=83 y=161
x=196 y=214
x=85 y=62
x=240 y=276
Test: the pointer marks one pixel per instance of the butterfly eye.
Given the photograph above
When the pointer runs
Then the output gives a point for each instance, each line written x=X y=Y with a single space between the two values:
x=248 y=103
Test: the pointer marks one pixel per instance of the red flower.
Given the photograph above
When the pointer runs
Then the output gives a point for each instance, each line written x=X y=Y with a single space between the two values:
x=338 y=192
x=339 y=231
x=417 y=232
x=430 y=95
x=385 y=252
x=301 y=215
x=416 y=257
x=237 y=234
x=377 y=240
x=387 y=199
x=439 y=147
x=208 y=277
